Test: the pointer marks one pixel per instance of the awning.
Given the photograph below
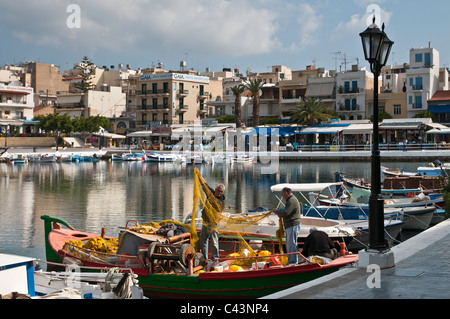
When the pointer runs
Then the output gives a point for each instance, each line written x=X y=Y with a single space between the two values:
x=110 y=135
x=140 y=134
x=320 y=89
x=11 y=122
x=358 y=129
x=436 y=109
x=322 y=130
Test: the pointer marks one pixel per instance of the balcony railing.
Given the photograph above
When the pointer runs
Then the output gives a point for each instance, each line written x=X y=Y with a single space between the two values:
x=149 y=92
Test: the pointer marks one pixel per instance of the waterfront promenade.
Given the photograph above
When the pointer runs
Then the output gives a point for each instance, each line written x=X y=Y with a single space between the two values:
x=421 y=271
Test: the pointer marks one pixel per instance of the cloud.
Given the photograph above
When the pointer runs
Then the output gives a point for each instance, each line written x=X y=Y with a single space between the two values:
x=359 y=22
x=229 y=27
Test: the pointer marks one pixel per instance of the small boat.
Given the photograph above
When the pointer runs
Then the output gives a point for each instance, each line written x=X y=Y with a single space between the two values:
x=242 y=158
x=132 y=157
x=116 y=157
x=43 y=159
x=16 y=273
x=169 y=267
x=159 y=157
x=91 y=158
x=64 y=158
x=388 y=172
x=18 y=159
x=266 y=228
x=72 y=283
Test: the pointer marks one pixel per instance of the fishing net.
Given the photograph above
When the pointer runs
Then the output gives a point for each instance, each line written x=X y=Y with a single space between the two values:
x=213 y=214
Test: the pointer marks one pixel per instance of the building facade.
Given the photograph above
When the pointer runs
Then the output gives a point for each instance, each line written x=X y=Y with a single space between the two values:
x=352 y=88
x=170 y=98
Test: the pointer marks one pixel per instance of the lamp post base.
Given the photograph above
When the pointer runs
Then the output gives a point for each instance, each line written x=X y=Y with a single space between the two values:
x=384 y=259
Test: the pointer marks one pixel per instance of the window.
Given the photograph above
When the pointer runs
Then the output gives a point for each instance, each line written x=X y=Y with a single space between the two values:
x=419 y=57
x=144 y=103
x=346 y=87
x=419 y=85
x=418 y=100
x=155 y=103
x=397 y=109
x=354 y=105
x=347 y=104
x=427 y=59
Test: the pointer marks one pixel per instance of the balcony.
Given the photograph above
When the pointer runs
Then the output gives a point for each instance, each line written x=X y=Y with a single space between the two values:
x=350 y=91
x=183 y=108
x=203 y=95
x=152 y=107
x=183 y=92
x=153 y=92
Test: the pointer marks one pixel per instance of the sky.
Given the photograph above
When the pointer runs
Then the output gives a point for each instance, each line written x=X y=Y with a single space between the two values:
x=249 y=35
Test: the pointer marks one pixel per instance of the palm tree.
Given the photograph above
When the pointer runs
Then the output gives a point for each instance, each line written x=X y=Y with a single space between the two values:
x=238 y=90
x=255 y=86
x=311 y=111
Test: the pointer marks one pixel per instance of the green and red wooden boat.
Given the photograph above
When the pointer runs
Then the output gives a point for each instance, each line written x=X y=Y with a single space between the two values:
x=169 y=268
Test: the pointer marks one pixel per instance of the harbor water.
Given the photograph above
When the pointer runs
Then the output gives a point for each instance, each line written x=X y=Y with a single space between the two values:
x=107 y=194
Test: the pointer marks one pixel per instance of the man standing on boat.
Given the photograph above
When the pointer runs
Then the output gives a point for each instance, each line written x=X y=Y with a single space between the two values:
x=291 y=215
x=211 y=217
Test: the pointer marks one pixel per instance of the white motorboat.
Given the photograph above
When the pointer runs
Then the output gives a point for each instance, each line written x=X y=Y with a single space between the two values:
x=159 y=157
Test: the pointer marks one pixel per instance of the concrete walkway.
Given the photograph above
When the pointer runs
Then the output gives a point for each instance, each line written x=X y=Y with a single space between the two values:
x=422 y=271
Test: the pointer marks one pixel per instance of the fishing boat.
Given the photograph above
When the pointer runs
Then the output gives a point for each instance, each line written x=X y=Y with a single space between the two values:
x=265 y=230
x=159 y=157
x=354 y=217
x=116 y=157
x=169 y=268
x=243 y=158
x=388 y=172
x=418 y=210
x=18 y=159
x=132 y=157
x=42 y=158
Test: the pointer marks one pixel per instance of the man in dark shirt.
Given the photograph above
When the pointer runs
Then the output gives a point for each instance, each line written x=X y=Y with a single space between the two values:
x=291 y=215
x=318 y=243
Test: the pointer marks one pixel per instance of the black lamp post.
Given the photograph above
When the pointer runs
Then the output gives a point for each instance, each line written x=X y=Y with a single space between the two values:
x=377 y=48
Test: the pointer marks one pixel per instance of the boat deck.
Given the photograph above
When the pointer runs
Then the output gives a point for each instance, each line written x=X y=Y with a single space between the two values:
x=422 y=271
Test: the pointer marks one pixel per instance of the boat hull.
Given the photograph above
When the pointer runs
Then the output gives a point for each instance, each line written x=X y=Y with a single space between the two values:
x=246 y=284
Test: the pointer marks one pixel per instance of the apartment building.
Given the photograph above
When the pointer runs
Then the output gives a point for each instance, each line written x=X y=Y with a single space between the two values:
x=46 y=80
x=167 y=98
x=111 y=103
x=352 y=88
x=422 y=79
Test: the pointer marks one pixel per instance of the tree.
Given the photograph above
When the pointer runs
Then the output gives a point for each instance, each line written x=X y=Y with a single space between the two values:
x=255 y=86
x=311 y=111
x=238 y=90
x=382 y=116
x=423 y=115
x=86 y=72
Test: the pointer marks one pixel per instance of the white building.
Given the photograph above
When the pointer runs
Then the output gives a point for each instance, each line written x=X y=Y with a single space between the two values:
x=351 y=93
x=110 y=103
x=422 y=79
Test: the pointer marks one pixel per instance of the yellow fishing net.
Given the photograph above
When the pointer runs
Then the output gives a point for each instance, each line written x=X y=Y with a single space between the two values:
x=213 y=214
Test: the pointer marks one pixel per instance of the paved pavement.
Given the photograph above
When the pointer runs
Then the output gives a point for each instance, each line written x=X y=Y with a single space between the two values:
x=421 y=271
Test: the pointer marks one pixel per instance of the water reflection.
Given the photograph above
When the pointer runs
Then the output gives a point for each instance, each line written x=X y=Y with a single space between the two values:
x=107 y=194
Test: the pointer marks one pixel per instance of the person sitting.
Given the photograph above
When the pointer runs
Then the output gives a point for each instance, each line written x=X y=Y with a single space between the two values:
x=318 y=243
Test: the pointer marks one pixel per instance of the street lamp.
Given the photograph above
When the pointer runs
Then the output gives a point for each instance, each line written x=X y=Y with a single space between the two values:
x=377 y=48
